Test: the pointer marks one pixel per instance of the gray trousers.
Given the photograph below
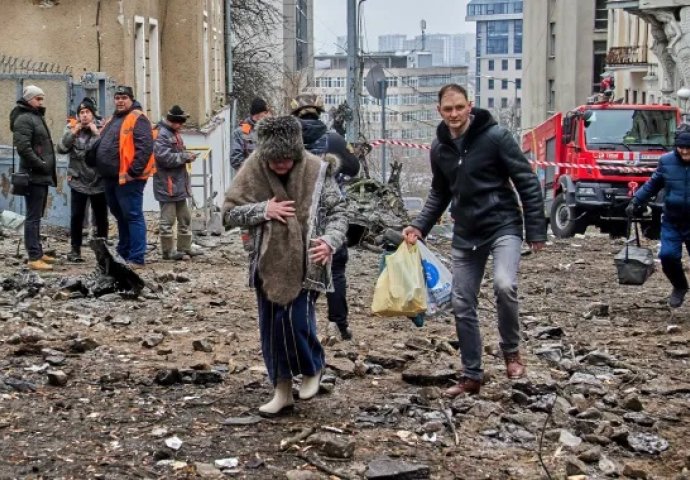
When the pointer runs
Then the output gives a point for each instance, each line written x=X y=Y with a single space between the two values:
x=172 y=212
x=468 y=271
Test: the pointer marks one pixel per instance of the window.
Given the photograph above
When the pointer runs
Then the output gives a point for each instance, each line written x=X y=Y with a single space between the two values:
x=491 y=84
x=504 y=84
x=601 y=15
x=491 y=102
x=552 y=39
x=551 y=99
x=504 y=65
x=491 y=66
x=518 y=64
x=517 y=36
x=599 y=64
x=504 y=102
x=518 y=83
x=497 y=46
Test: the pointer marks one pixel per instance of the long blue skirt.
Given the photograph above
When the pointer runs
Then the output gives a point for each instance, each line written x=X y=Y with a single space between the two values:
x=288 y=337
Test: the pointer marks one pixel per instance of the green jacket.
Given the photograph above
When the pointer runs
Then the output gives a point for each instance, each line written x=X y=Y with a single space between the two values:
x=34 y=145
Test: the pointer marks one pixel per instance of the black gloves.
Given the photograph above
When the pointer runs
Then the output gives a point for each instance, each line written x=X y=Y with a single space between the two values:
x=633 y=209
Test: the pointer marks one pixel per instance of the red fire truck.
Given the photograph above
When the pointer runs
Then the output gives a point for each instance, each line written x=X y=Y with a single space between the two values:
x=592 y=159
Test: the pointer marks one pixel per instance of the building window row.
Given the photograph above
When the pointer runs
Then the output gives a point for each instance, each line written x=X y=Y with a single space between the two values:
x=491 y=65
x=501 y=8
x=330 y=82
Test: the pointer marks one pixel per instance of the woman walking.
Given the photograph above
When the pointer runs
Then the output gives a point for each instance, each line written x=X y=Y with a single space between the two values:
x=293 y=208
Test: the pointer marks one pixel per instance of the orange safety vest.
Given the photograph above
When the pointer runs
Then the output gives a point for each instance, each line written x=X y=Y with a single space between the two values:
x=127 y=148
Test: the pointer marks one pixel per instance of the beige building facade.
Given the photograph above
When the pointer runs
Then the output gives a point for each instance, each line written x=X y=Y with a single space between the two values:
x=565 y=47
x=169 y=51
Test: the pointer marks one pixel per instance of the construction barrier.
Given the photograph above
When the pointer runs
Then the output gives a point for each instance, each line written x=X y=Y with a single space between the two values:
x=426 y=146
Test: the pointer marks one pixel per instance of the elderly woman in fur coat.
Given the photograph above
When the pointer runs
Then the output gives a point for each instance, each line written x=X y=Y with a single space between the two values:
x=296 y=216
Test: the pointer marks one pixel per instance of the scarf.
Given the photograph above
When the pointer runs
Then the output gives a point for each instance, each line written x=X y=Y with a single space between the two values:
x=283 y=251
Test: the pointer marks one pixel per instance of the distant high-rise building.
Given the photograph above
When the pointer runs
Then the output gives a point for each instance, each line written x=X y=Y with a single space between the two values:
x=498 y=63
x=391 y=43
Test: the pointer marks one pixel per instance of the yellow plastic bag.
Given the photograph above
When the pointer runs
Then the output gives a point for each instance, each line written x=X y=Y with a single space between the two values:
x=401 y=289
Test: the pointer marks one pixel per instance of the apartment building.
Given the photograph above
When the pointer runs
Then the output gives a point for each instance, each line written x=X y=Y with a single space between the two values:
x=498 y=62
x=565 y=45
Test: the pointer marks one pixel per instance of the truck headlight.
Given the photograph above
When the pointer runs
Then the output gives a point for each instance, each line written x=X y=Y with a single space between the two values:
x=586 y=191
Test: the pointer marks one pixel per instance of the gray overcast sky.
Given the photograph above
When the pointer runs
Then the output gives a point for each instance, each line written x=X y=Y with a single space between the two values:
x=383 y=17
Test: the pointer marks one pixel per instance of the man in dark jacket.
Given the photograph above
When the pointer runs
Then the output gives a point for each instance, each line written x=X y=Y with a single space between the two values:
x=171 y=185
x=124 y=158
x=473 y=162
x=244 y=136
x=34 y=146
x=320 y=141
x=86 y=185
x=673 y=175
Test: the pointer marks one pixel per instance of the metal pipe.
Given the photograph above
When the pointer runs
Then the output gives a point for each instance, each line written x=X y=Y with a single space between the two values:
x=228 y=51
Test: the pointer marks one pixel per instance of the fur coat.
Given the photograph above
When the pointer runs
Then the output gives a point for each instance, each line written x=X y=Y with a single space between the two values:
x=279 y=257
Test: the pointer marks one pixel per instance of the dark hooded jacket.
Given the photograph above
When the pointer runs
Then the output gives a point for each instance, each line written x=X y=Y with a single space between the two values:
x=108 y=147
x=34 y=144
x=320 y=141
x=673 y=176
x=476 y=178
x=171 y=182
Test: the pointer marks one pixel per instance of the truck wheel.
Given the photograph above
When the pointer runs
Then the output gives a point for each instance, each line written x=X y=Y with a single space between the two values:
x=564 y=220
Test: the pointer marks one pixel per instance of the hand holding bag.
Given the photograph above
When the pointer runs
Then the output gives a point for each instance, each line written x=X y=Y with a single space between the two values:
x=635 y=264
x=19 y=181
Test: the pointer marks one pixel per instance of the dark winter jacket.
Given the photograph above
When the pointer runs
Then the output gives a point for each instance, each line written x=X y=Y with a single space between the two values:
x=82 y=178
x=319 y=141
x=34 y=144
x=171 y=181
x=673 y=175
x=108 y=149
x=243 y=143
x=477 y=180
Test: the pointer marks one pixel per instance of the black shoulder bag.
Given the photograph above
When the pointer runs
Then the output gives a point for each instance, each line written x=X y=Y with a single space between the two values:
x=19 y=181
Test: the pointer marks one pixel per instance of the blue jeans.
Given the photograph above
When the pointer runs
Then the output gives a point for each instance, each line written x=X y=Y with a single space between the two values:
x=673 y=236
x=468 y=271
x=126 y=203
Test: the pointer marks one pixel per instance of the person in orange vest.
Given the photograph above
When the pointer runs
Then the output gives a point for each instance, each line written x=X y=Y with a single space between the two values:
x=124 y=158
x=80 y=134
x=244 y=137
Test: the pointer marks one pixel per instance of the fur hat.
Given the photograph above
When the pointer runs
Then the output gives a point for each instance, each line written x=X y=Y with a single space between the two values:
x=279 y=138
x=683 y=139
x=32 y=91
x=124 y=90
x=306 y=103
x=89 y=104
x=177 y=115
x=258 y=105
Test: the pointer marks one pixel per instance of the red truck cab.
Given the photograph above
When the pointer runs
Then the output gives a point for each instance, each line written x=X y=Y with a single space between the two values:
x=592 y=159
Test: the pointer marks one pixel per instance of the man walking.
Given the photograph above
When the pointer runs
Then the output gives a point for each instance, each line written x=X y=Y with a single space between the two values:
x=171 y=185
x=124 y=158
x=86 y=185
x=320 y=141
x=673 y=175
x=473 y=162
x=244 y=136
x=34 y=146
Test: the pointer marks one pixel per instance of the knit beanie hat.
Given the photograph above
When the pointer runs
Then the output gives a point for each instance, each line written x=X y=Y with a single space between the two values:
x=280 y=138
x=89 y=104
x=258 y=105
x=683 y=139
x=31 y=91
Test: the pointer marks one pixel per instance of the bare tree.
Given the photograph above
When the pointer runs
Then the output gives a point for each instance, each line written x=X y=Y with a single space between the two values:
x=256 y=48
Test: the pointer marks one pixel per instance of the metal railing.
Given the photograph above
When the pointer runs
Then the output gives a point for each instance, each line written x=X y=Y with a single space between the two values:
x=626 y=56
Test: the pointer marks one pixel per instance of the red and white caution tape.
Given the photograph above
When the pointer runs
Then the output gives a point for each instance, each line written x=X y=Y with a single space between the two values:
x=426 y=146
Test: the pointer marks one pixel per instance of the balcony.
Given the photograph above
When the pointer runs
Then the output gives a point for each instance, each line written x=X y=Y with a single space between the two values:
x=625 y=4
x=626 y=56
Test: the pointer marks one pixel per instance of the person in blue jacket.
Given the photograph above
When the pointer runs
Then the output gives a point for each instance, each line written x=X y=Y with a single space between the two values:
x=672 y=175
